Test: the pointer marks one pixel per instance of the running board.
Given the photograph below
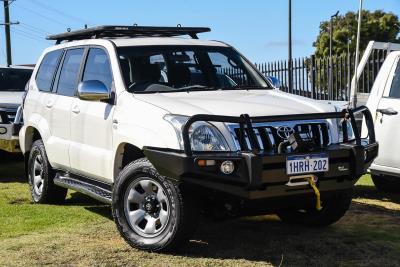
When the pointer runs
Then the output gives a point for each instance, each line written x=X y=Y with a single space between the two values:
x=94 y=191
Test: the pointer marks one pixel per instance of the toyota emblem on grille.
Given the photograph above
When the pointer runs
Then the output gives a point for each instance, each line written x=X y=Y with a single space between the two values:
x=284 y=132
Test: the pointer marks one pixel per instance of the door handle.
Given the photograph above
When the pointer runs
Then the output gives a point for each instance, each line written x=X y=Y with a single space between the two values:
x=387 y=111
x=76 y=110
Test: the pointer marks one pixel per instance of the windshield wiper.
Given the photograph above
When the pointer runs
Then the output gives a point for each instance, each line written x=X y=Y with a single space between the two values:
x=248 y=87
x=194 y=88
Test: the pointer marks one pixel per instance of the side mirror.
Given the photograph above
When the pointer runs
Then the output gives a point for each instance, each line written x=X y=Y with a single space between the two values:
x=274 y=81
x=93 y=90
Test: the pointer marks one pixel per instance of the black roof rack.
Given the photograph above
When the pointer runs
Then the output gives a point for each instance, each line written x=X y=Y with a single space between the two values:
x=127 y=31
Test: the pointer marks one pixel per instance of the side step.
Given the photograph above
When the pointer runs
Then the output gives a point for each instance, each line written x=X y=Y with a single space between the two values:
x=94 y=191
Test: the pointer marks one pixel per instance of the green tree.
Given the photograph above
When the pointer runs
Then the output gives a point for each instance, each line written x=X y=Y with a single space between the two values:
x=378 y=26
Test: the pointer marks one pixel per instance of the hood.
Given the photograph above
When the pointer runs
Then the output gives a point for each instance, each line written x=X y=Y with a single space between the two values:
x=10 y=99
x=235 y=103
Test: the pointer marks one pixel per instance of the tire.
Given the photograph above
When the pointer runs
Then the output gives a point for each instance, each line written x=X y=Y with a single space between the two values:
x=41 y=175
x=333 y=209
x=160 y=220
x=385 y=183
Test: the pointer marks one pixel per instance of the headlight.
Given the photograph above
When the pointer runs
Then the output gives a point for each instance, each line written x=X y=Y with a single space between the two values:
x=203 y=136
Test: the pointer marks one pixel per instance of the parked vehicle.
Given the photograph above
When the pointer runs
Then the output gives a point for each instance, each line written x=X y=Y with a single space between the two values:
x=167 y=128
x=384 y=103
x=12 y=85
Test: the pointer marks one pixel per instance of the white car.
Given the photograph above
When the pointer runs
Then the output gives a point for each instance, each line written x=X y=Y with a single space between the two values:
x=166 y=128
x=384 y=103
x=12 y=84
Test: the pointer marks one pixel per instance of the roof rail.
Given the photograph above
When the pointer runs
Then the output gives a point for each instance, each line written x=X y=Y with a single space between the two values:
x=127 y=31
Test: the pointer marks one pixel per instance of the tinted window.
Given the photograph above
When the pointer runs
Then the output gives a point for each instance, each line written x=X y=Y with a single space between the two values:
x=68 y=81
x=14 y=79
x=395 y=88
x=98 y=67
x=44 y=77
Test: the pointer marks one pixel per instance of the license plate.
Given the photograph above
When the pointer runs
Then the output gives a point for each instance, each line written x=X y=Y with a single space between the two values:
x=312 y=163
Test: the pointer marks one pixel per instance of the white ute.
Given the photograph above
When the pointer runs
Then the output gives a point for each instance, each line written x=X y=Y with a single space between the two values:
x=166 y=128
x=384 y=103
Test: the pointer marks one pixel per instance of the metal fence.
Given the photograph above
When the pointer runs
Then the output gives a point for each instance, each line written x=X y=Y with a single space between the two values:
x=311 y=75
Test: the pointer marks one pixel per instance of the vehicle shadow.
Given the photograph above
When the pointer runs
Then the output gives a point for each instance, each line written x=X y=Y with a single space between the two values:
x=89 y=204
x=267 y=239
x=370 y=192
x=12 y=168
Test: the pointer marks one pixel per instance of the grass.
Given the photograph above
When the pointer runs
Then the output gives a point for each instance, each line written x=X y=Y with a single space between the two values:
x=82 y=233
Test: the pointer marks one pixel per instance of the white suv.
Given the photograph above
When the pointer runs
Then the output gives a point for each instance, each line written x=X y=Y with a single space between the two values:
x=166 y=128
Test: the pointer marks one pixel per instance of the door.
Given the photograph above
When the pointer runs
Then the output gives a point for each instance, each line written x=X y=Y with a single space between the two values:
x=59 y=104
x=91 y=123
x=387 y=124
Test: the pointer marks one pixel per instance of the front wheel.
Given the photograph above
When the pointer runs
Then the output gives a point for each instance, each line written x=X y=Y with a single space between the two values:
x=385 y=183
x=151 y=212
x=333 y=209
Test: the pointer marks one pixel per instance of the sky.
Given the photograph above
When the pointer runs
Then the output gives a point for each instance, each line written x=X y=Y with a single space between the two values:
x=256 y=28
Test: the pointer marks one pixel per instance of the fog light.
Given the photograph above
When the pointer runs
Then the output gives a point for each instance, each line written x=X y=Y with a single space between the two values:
x=227 y=167
x=3 y=130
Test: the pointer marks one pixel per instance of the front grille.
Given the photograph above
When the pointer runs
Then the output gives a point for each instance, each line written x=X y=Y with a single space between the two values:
x=7 y=115
x=269 y=139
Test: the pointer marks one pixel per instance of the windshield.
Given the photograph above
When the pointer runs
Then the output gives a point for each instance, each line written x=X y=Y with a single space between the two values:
x=187 y=68
x=14 y=79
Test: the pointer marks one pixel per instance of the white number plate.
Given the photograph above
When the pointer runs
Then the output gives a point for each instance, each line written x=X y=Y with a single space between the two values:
x=312 y=163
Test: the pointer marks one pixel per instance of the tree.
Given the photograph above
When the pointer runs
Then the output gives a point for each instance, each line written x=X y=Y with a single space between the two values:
x=378 y=26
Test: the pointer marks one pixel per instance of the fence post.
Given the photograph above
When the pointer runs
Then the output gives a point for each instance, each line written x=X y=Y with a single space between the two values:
x=312 y=74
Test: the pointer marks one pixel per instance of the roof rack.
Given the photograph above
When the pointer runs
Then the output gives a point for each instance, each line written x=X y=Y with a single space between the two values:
x=127 y=31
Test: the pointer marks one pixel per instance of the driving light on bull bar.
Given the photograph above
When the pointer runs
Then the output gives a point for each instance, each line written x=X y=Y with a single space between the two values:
x=3 y=130
x=206 y=162
x=227 y=167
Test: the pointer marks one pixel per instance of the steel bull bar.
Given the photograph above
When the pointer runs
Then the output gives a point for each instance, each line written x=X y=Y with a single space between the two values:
x=246 y=125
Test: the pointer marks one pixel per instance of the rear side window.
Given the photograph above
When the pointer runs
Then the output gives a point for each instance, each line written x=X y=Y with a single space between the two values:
x=98 y=67
x=47 y=69
x=68 y=80
x=395 y=88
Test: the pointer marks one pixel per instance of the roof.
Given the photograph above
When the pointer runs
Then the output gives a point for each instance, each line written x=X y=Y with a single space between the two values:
x=20 y=67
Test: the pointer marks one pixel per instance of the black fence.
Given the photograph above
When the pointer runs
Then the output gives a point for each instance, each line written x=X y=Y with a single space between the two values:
x=311 y=75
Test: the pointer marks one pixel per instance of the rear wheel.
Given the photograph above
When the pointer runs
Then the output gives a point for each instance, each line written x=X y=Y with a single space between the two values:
x=386 y=183
x=41 y=175
x=332 y=210
x=151 y=212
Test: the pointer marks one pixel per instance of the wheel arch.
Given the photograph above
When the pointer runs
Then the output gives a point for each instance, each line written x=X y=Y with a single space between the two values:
x=125 y=154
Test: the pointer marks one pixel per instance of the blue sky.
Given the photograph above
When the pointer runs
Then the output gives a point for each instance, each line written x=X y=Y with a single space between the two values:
x=257 y=28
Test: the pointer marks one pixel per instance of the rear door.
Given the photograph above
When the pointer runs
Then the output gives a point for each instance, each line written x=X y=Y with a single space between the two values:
x=387 y=123
x=91 y=123
x=60 y=103
x=38 y=101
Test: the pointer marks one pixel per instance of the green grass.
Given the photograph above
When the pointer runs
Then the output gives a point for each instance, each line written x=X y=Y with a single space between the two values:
x=82 y=233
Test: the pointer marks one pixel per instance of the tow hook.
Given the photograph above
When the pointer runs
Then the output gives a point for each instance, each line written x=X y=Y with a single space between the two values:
x=308 y=179
x=311 y=180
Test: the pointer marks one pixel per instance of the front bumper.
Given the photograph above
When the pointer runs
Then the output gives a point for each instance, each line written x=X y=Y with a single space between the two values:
x=262 y=174
x=9 y=129
x=9 y=140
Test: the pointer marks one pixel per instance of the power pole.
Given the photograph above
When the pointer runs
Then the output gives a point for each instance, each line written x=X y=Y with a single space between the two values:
x=330 y=85
x=7 y=25
x=290 y=67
